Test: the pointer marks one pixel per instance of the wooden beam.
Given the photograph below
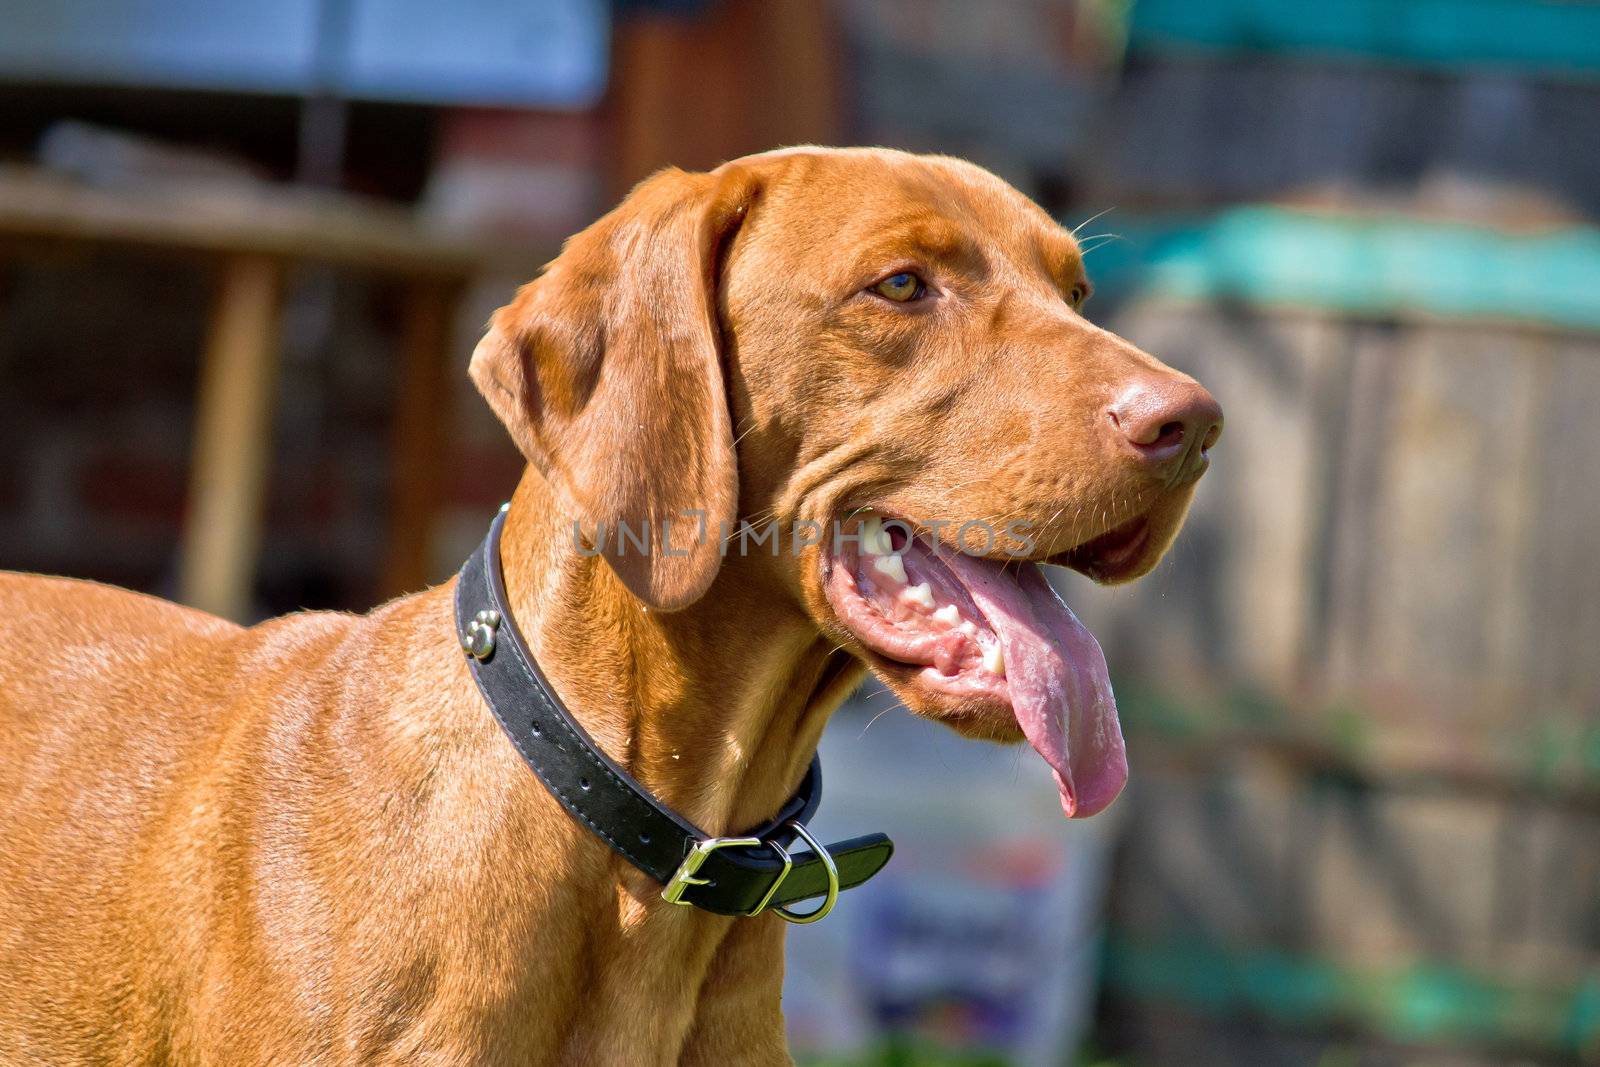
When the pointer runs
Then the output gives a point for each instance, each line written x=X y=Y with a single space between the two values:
x=233 y=439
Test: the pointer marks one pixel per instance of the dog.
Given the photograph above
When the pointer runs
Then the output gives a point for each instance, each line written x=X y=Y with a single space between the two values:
x=308 y=841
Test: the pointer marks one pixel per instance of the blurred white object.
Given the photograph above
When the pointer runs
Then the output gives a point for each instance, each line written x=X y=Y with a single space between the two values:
x=981 y=935
x=100 y=155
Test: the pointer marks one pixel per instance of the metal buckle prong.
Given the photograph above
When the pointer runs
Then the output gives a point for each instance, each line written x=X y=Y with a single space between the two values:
x=684 y=877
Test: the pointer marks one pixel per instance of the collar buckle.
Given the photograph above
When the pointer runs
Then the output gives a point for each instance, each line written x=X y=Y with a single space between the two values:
x=699 y=852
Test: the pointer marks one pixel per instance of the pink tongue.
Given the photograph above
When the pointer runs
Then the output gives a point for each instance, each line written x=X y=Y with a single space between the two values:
x=1060 y=689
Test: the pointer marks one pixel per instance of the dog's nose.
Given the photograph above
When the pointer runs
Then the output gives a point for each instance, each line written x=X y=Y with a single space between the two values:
x=1168 y=421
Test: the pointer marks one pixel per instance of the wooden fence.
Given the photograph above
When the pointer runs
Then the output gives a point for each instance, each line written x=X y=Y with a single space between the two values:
x=1363 y=693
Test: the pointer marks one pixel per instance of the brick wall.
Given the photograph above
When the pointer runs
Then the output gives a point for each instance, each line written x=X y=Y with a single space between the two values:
x=99 y=357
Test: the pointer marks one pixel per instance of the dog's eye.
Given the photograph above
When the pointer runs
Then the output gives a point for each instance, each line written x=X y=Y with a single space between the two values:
x=902 y=288
x=1077 y=295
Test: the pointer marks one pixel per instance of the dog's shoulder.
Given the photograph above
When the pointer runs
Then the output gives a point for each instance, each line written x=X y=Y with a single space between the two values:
x=86 y=661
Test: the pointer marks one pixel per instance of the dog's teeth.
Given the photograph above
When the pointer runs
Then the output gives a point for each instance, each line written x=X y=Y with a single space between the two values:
x=920 y=594
x=874 y=539
x=948 y=615
x=967 y=627
x=994 y=661
x=891 y=565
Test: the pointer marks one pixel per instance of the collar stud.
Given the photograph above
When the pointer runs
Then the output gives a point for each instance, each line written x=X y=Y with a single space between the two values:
x=478 y=640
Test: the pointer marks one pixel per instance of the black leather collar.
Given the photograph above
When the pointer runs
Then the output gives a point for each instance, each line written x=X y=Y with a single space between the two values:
x=739 y=875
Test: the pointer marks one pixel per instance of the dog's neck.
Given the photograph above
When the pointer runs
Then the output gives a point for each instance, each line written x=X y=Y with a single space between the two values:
x=716 y=709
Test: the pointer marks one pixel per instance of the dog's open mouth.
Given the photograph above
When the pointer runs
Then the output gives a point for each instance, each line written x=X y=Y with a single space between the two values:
x=990 y=632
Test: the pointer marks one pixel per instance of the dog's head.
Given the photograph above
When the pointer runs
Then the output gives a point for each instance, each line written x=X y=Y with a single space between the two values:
x=876 y=360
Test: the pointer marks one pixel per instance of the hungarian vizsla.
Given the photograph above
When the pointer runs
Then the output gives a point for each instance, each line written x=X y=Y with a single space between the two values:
x=308 y=842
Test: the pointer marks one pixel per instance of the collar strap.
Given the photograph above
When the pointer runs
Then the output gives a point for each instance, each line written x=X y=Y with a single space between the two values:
x=740 y=875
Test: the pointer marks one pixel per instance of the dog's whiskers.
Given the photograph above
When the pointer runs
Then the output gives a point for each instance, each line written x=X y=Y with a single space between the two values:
x=1091 y=218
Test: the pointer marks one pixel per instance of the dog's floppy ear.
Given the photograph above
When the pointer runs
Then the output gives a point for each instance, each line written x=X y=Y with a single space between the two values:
x=607 y=370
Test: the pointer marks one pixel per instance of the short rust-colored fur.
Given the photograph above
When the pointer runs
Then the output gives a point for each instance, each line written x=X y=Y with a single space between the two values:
x=308 y=842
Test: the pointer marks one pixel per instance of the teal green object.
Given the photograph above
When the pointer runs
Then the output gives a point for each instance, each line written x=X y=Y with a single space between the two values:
x=1361 y=266
x=1547 y=36
x=1419 y=1002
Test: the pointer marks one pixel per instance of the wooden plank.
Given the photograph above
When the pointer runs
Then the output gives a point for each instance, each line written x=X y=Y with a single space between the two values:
x=1453 y=515
x=273 y=220
x=1357 y=405
x=1563 y=587
x=1428 y=519
x=232 y=439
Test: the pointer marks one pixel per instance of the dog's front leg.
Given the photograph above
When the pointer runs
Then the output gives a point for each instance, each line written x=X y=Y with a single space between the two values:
x=739 y=1018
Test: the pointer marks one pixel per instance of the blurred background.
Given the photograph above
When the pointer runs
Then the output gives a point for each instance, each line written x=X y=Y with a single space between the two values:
x=245 y=251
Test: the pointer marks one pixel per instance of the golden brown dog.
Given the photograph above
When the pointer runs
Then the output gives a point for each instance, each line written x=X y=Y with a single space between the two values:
x=308 y=841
